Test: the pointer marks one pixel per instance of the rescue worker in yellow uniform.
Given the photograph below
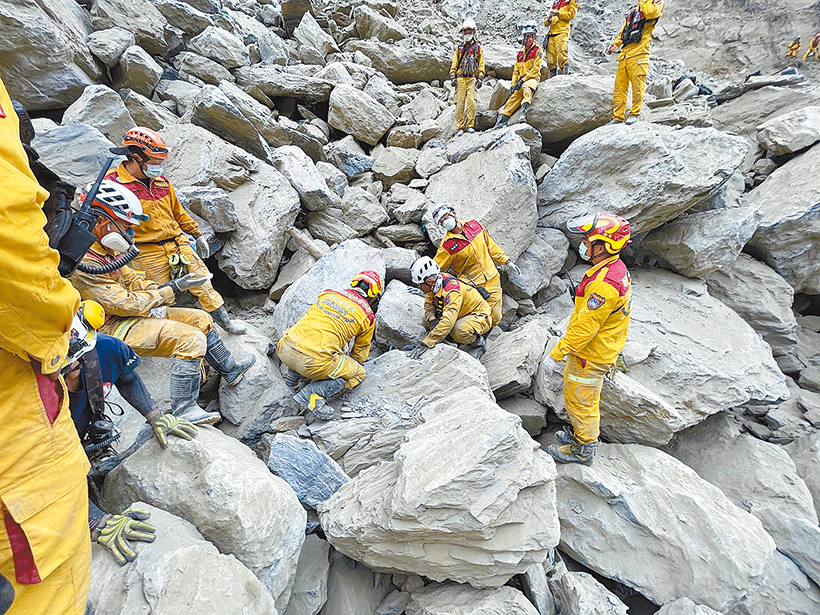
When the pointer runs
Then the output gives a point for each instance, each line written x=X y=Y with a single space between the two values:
x=451 y=308
x=794 y=48
x=165 y=251
x=45 y=549
x=814 y=48
x=526 y=76
x=466 y=75
x=138 y=312
x=469 y=253
x=315 y=347
x=558 y=21
x=595 y=335
x=633 y=59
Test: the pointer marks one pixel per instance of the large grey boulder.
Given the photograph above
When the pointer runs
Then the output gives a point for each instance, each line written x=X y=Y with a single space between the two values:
x=181 y=93
x=372 y=24
x=212 y=204
x=580 y=592
x=108 y=45
x=399 y=320
x=138 y=16
x=334 y=270
x=275 y=82
x=405 y=63
x=309 y=33
x=258 y=114
x=805 y=453
x=140 y=72
x=194 y=65
x=639 y=499
x=310 y=586
x=329 y=228
x=100 y=107
x=512 y=358
x=790 y=202
x=791 y=132
x=395 y=165
x=453 y=599
x=684 y=606
x=760 y=478
x=75 y=153
x=467 y=497
x=761 y=297
x=220 y=46
x=781 y=588
x=302 y=174
x=184 y=16
x=264 y=200
x=359 y=114
x=353 y=588
x=543 y=259
x=220 y=486
x=568 y=106
x=675 y=170
x=170 y=574
x=362 y=210
x=497 y=188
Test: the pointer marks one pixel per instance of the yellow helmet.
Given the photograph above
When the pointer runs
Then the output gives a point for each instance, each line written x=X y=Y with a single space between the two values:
x=613 y=230
x=370 y=281
x=90 y=316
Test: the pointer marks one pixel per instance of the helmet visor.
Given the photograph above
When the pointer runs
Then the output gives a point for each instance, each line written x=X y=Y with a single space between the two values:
x=583 y=225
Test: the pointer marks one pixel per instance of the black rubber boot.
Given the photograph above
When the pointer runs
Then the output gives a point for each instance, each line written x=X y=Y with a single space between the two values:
x=565 y=437
x=292 y=378
x=222 y=360
x=554 y=72
x=524 y=108
x=223 y=319
x=186 y=376
x=501 y=121
x=315 y=395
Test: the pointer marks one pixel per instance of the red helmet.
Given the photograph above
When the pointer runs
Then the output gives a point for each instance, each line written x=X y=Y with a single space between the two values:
x=369 y=281
x=147 y=140
x=613 y=230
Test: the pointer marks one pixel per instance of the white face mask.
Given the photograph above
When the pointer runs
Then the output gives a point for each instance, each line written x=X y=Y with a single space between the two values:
x=449 y=224
x=153 y=170
x=467 y=37
x=116 y=242
x=582 y=252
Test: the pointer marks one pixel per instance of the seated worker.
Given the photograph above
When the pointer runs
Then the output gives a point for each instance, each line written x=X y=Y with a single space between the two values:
x=526 y=76
x=165 y=251
x=314 y=347
x=468 y=253
x=450 y=308
x=137 y=310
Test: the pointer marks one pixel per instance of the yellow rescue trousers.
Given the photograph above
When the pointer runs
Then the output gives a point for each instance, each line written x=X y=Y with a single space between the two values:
x=181 y=334
x=557 y=56
x=467 y=328
x=493 y=286
x=465 y=102
x=321 y=367
x=522 y=95
x=630 y=71
x=583 y=380
x=153 y=260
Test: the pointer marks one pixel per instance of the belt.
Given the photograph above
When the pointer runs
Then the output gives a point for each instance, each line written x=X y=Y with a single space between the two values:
x=161 y=242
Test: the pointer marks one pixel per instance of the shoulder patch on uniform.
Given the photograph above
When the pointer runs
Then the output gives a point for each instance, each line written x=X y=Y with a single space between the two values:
x=595 y=301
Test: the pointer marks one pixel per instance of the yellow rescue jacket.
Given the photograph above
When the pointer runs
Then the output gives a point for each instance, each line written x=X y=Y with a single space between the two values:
x=650 y=10
x=166 y=216
x=334 y=319
x=560 y=24
x=528 y=65
x=461 y=57
x=471 y=254
x=599 y=323
x=453 y=300
x=42 y=466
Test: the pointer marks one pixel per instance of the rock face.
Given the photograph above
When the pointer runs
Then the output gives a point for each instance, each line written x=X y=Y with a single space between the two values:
x=100 y=107
x=334 y=270
x=220 y=46
x=790 y=202
x=405 y=64
x=684 y=606
x=672 y=171
x=781 y=588
x=75 y=153
x=302 y=174
x=399 y=317
x=635 y=497
x=543 y=258
x=512 y=358
x=482 y=187
x=353 y=588
x=452 y=599
x=579 y=592
x=359 y=114
x=791 y=132
x=310 y=587
x=456 y=484
x=805 y=453
x=171 y=574
x=309 y=33
x=567 y=106
x=220 y=486
x=140 y=17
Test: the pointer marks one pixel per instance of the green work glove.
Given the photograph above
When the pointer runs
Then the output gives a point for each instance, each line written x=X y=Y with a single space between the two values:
x=117 y=530
x=170 y=425
x=619 y=366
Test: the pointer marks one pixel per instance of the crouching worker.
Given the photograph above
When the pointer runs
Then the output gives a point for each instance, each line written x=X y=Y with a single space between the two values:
x=137 y=310
x=595 y=335
x=450 y=308
x=315 y=346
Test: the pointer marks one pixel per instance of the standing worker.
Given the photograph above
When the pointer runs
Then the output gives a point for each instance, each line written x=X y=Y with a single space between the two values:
x=595 y=335
x=633 y=59
x=45 y=551
x=469 y=252
x=315 y=346
x=558 y=21
x=794 y=48
x=814 y=48
x=526 y=76
x=165 y=250
x=451 y=308
x=466 y=74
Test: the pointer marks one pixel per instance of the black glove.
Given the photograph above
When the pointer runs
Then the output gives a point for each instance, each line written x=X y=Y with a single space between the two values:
x=478 y=84
x=417 y=351
x=519 y=84
x=454 y=82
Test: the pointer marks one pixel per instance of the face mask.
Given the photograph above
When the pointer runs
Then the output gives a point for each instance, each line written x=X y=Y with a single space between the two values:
x=449 y=224
x=152 y=170
x=467 y=37
x=116 y=242
x=582 y=252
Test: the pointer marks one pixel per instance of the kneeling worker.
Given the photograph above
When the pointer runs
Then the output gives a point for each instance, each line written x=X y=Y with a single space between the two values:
x=314 y=347
x=450 y=308
x=596 y=332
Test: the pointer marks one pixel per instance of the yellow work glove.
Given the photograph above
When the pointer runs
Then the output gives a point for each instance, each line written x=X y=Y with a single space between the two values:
x=170 y=425
x=618 y=366
x=119 y=529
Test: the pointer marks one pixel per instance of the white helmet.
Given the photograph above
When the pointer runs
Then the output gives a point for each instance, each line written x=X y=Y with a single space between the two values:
x=469 y=24
x=529 y=27
x=441 y=211
x=90 y=316
x=115 y=201
x=423 y=268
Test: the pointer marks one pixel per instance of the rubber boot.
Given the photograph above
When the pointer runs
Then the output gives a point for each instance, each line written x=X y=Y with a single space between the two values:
x=292 y=378
x=563 y=70
x=186 y=376
x=554 y=72
x=478 y=347
x=501 y=121
x=223 y=319
x=523 y=118
x=574 y=452
x=632 y=119
x=315 y=395
x=565 y=437
x=222 y=360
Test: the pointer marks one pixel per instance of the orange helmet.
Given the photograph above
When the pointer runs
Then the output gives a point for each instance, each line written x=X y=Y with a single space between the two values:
x=613 y=230
x=149 y=141
x=369 y=281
